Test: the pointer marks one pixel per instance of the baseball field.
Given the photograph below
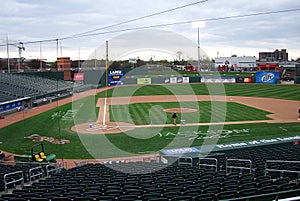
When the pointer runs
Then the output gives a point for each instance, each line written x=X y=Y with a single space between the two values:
x=136 y=120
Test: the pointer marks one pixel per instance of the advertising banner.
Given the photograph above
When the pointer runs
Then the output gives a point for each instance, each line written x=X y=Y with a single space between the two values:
x=185 y=79
x=217 y=80
x=78 y=76
x=167 y=80
x=173 y=80
x=179 y=80
x=115 y=77
x=178 y=151
x=267 y=77
x=143 y=80
x=245 y=80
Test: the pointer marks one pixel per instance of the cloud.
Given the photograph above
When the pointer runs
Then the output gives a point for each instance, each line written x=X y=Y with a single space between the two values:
x=37 y=20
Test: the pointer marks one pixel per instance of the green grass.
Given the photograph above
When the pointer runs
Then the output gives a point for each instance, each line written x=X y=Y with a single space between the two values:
x=152 y=113
x=131 y=143
x=288 y=92
x=148 y=140
x=187 y=136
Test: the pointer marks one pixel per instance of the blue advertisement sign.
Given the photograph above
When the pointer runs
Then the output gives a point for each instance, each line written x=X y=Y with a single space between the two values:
x=267 y=77
x=180 y=151
x=10 y=106
x=115 y=77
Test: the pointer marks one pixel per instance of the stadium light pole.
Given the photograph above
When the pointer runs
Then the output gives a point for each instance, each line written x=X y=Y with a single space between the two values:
x=20 y=48
x=41 y=62
x=7 y=52
x=198 y=25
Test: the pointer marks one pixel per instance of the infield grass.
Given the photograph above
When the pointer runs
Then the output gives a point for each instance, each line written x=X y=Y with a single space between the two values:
x=153 y=113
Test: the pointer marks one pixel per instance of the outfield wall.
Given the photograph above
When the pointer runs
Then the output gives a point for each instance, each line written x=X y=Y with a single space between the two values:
x=123 y=77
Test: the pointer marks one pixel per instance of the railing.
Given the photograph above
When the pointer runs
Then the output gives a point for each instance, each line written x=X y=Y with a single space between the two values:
x=241 y=168
x=185 y=161
x=213 y=164
x=57 y=167
x=33 y=175
x=13 y=180
x=281 y=170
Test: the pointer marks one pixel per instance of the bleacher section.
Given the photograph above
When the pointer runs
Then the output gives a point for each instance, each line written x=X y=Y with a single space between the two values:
x=240 y=174
x=13 y=174
x=14 y=86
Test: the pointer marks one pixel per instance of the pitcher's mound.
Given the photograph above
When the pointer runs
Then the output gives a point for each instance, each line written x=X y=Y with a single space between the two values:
x=108 y=128
x=180 y=110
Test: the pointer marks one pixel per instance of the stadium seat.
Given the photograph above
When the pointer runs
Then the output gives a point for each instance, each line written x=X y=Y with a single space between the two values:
x=159 y=199
x=37 y=158
x=182 y=198
x=247 y=192
x=105 y=198
x=205 y=197
x=148 y=196
x=10 y=196
x=286 y=186
x=192 y=192
x=127 y=197
x=264 y=183
x=268 y=189
x=38 y=199
x=280 y=181
x=211 y=190
x=42 y=155
x=234 y=187
x=83 y=198
x=225 y=195
x=248 y=185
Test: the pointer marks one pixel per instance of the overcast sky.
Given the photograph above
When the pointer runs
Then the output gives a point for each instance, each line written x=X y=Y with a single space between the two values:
x=25 y=21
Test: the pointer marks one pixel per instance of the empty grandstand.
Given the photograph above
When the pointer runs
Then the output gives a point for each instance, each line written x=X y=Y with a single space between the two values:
x=267 y=172
x=15 y=86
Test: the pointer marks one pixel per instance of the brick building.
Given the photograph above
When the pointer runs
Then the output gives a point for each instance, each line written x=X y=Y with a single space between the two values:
x=277 y=56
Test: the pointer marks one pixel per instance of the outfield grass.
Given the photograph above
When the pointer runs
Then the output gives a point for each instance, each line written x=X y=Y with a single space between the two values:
x=141 y=113
x=146 y=140
x=288 y=92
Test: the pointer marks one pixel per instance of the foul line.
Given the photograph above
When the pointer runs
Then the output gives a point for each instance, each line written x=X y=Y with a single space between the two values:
x=104 y=111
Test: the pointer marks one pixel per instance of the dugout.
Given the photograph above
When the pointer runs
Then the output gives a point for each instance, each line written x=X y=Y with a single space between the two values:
x=10 y=107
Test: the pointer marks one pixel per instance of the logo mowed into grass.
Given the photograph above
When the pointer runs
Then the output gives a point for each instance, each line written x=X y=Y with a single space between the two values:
x=40 y=138
x=201 y=135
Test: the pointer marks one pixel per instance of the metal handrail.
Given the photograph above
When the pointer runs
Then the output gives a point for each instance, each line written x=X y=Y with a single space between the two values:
x=188 y=161
x=57 y=166
x=32 y=175
x=239 y=167
x=280 y=170
x=14 y=180
x=209 y=165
